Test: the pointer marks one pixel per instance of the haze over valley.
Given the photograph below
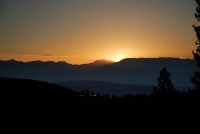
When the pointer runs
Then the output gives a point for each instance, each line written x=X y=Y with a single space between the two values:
x=130 y=73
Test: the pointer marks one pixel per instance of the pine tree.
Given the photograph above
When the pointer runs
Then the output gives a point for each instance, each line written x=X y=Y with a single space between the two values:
x=196 y=78
x=164 y=82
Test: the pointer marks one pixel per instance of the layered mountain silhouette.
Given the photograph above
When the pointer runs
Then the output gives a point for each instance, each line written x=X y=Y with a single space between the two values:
x=99 y=63
x=138 y=71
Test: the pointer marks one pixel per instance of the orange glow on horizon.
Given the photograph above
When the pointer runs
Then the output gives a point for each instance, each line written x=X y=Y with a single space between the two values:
x=115 y=58
x=80 y=32
x=79 y=59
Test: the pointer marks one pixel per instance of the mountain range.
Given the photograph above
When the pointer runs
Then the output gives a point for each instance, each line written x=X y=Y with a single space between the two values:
x=135 y=71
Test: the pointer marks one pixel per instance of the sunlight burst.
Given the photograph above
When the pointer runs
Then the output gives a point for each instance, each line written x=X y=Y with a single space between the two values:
x=115 y=58
x=118 y=58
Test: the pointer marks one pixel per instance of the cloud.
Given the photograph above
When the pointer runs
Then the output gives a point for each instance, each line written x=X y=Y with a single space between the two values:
x=6 y=53
x=44 y=55
x=47 y=55
x=29 y=55
x=61 y=56
x=67 y=56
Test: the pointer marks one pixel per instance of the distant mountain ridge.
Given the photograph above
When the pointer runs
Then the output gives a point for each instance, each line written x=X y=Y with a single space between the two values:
x=140 y=71
x=95 y=63
x=101 y=62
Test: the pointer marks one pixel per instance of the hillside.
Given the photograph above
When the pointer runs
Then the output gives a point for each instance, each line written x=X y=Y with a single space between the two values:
x=26 y=86
x=30 y=101
x=103 y=87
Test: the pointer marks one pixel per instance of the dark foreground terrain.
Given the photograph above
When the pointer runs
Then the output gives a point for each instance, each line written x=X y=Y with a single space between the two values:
x=30 y=100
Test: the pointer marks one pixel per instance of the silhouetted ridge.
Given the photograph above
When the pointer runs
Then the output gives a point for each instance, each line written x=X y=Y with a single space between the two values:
x=12 y=61
x=157 y=63
x=33 y=100
x=101 y=62
x=140 y=71
x=13 y=84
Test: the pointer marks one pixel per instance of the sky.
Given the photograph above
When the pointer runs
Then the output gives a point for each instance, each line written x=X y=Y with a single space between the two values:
x=82 y=31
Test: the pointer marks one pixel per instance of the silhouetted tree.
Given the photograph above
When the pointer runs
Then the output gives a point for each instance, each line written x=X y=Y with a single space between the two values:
x=196 y=78
x=164 y=83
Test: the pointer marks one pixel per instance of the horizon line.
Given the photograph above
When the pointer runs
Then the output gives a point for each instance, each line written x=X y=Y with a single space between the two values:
x=181 y=58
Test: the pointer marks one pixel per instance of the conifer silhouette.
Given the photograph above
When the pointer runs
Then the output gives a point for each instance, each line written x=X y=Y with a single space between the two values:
x=196 y=78
x=164 y=82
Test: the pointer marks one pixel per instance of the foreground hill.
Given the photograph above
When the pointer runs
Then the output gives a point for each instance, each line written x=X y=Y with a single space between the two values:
x=30 y=87
x=30 y=101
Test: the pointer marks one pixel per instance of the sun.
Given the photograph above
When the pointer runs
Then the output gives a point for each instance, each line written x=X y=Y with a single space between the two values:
x=117 y=58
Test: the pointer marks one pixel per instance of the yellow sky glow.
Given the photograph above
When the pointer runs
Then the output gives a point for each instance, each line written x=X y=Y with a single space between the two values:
x=80 y=32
